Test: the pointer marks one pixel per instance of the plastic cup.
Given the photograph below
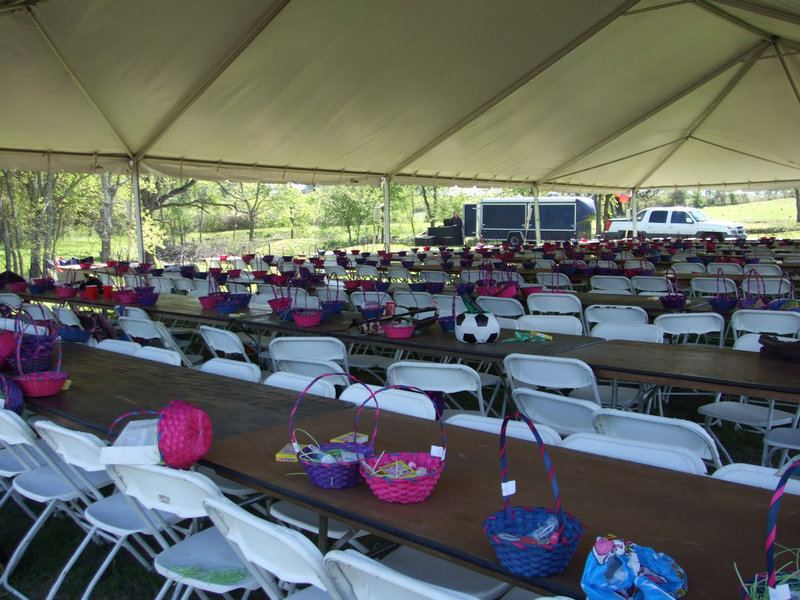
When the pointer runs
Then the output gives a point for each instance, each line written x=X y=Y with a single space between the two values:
x=91 y=292
x=107 y=289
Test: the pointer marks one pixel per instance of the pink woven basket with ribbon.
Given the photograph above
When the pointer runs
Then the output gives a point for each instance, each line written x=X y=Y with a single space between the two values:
x=404 y=477
x=339 y=474
x=32 y=350
x=184 y=433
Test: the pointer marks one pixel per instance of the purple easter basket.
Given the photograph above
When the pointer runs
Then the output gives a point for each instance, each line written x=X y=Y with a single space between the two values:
x=722 y=302
x=673 y=299
x=448 y=322
x=33 y=351
x=332 y=475
x=11 y=395
x=509 y=529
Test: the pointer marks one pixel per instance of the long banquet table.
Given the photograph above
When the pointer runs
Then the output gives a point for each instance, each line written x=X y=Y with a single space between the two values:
x=707 y=525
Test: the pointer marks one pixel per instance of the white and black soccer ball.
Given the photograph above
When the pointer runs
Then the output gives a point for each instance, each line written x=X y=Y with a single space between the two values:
x=477 y=328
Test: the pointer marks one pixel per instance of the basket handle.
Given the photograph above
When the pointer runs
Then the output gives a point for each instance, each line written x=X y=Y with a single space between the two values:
x=358 y=414
x=672 y=281
x=772 y=519
x=547 y=463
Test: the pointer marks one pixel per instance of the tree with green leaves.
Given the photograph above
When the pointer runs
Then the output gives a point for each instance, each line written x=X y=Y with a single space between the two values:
x=349 y=207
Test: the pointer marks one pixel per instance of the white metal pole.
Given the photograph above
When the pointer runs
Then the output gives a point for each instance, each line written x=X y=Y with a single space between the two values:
x=634 y=210
x=387 y=234
x=536 y=215
x=137 y=210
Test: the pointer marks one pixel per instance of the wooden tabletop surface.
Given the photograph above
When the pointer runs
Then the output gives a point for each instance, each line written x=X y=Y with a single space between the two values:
x=705 y=524
x=704 y=368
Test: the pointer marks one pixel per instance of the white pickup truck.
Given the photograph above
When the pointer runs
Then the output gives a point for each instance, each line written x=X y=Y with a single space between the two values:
x=674 y=221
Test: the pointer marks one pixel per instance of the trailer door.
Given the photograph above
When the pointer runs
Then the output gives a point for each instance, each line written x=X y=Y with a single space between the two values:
x=499 y=219
x=470 y=220
x=557 y=221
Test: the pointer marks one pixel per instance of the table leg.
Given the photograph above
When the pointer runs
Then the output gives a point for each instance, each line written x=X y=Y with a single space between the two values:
x=322 y=542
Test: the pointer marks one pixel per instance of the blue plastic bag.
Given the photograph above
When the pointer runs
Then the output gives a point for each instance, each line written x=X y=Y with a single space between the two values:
x=616 y=570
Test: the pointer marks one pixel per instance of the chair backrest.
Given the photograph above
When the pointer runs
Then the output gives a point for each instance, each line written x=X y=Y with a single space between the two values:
x=227 y=367
x=755 y=475
x=75 y=447
x=614 y=313
x=471 y=275
x=162 y=355
x=38 y=312
x=501 y=307
x=559 y=304
x=367 y=271
x=66 y=317
x=297 y=383
x=359 y=298
x=311 y=367
x=550 y=324
x=409 y=299
x=656 y=455
x=445 y=304
x=405 y=402
x=308 y=347
x=765 y=321
x=271 y=551
x=10 y=299
x=688 y=267
x=368 y=578
x=222 y=342
x=726 y=268
x=550 y=372
x=516 y=429
x=163 y=488
x=564 y=414
x=635 y=263
x=152 y=330
x=685 y=327
x=610 y=282
x=764 y=269
x=119 y=346
x=661 y=430
x=554 y=280
x=649 y=283
x=710 y=286
x=635 y=332
x=135 y=312
x=438 y=377
x=434 y=275
x=767 y=286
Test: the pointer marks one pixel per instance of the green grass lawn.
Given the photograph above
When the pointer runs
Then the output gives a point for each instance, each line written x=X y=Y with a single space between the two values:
x=767 y=218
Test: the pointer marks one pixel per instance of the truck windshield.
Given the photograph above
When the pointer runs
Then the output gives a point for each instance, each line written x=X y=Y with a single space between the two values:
x=699 y=215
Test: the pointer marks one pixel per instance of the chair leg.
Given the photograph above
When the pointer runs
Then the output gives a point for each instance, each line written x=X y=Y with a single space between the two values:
x=22 y=546
x=722 y=449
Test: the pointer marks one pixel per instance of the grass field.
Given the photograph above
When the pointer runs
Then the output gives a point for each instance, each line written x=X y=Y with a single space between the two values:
x=770 y=217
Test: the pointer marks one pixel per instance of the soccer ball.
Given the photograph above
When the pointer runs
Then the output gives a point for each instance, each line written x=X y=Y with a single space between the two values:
x=477 y=328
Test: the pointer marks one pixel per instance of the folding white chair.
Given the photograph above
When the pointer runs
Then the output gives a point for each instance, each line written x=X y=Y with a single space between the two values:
x=222 y=343
x=684 y=328
x=554 y=304
x=271 y=552
x=55 y=486
x=445 y=302
x=743 y=413
x=505 y=309
x=111 y=518
x=515 y=429
x=446 y=378
x=406 y=574
x=197 y=560
x=649 y=285
x=638 y=332
x=661 y=430
x=161 y=285
x=405 y=402
x=9 y=299
x=681 y=268
x=655 y=455
x=711 y=286
x=563 y=414
x=775 y=322
x=297 y=383
x=119 y=346
x=552 y=373
x=614 y=313
x=183 y=285
x=66 y=317
x=154 y=331
x=611 y=284
x=237 y=369
x=764 y=269
x=554 y=281
x=635 y=263
x=726 y=268
x=162 y=355
x=550 y=324
x=407 y=299
x=756 y=476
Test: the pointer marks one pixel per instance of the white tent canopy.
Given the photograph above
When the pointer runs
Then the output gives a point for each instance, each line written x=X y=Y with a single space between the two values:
x=570 y=94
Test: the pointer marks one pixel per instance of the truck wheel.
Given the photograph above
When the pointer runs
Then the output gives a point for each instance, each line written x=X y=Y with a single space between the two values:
x=514 y=240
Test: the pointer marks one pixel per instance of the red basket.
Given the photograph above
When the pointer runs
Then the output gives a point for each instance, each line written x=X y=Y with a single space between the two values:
x=398 y=330
x=411 y=487
x=40 y=383
x=18 y=286
x=66 y=291
x=307 y=318
x=507 y=528
x=127 y=296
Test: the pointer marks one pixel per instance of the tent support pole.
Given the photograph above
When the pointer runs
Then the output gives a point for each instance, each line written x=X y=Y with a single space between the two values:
x=536 y=215
x=387 y=233
x=634 y=209
x=137 y=209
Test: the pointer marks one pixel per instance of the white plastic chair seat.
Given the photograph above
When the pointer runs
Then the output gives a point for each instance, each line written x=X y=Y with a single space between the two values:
x=655 y=455
x=308 y=520
x=45 y=484
x=751 y=415
x=162 y=355
x=755 y=475
x=780 y=438
x=114 y=514
x=297 y=383
x=205 y=552
x=119 y=346
x=236 y=369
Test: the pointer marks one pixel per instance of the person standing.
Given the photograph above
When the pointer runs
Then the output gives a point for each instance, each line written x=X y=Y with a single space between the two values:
x=458 y=238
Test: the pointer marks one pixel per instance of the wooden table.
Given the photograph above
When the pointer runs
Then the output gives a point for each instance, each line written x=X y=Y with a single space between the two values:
x=702 y=368
x=705 y=524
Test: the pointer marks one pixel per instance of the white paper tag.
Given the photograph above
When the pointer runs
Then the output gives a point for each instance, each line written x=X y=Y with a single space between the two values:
x=437 y=451
x=2 y=402
x=509 y=488
x=782 y=592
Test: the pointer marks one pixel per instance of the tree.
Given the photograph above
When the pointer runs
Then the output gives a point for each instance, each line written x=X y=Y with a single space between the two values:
x=797 y=204
x=104 y=226
x=349 y=207
x=248 y=199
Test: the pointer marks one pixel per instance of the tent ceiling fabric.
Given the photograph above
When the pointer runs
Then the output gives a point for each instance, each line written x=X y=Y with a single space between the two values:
x=582 y=95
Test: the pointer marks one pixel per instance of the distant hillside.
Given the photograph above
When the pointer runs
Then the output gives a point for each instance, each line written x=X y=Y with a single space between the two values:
x=769 y=217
